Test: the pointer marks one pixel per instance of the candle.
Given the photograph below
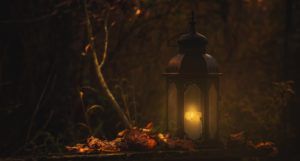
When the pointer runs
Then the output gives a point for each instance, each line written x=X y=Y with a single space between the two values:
x=193 y=122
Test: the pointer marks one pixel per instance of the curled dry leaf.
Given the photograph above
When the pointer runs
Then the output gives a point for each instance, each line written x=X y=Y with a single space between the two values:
x=149 y=126
x=176 y=143
x=81 y=94
x=138 y=139
x=103 y=145
x=138 y=12
x=239 y=141
x=87 y=48
x=266 y=147
x=122 y=133
x=163 y=137
x=79 y=148
x=240 y=136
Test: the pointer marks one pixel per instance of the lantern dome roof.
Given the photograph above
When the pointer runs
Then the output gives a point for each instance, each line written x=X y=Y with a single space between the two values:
x=191 y=64
x=192 y=59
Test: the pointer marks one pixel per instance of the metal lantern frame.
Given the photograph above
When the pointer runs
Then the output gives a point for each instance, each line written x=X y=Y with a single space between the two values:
x=193 y=66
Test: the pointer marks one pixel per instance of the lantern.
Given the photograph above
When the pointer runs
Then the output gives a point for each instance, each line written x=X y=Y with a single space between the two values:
x=193 y=93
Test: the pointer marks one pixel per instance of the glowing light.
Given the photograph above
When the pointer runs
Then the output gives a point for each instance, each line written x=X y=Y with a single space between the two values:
x=193 y=122
x=193 y=115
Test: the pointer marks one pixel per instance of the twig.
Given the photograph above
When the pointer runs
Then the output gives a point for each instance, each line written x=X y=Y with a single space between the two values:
x=85 y=112
x=29 y=20
x=104 y=54
x=35 y=136
x=37 y=107
x=124 y=36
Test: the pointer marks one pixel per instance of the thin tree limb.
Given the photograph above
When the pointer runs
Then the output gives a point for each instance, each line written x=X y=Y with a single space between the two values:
x=98 y=67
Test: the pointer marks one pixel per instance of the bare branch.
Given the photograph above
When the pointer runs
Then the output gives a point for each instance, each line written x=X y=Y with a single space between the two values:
x=98 y=67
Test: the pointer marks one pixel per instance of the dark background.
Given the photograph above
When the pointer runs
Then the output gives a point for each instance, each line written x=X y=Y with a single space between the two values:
x=44 y=68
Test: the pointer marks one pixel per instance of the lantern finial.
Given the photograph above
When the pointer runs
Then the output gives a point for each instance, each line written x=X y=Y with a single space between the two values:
x=192 y=41
x=193 y=23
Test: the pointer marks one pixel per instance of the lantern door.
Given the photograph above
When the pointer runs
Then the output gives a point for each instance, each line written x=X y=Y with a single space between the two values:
x=193 y=112
x=172 y=108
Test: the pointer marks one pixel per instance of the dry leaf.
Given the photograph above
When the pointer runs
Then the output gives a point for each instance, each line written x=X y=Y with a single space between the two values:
x=81 y=94
x=87 y=48
x=138 y=12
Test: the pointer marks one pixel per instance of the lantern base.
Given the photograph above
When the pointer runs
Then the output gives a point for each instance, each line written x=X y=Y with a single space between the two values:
x=211 y=143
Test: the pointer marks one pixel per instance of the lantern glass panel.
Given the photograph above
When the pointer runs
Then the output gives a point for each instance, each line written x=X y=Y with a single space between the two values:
x=193 y=104
x=213 y=105
x=172 y=108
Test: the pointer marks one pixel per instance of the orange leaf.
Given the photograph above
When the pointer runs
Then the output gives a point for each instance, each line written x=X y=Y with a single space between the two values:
x=149 y=126
x=138 y=12
x=81 y=94
x=87 y=48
